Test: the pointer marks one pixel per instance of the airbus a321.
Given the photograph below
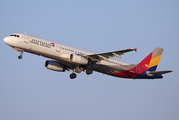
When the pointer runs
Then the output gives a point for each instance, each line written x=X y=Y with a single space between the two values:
x=65 y=58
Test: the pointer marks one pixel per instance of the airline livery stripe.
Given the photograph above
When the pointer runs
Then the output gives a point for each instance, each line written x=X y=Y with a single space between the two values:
x=154 y=61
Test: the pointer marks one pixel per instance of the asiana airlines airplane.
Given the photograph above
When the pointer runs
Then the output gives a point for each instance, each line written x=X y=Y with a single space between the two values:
x=65 y=58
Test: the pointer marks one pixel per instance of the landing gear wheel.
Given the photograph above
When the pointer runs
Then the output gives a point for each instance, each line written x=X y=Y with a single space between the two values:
x=88 y=72
x=73 y=75
x=20 y=56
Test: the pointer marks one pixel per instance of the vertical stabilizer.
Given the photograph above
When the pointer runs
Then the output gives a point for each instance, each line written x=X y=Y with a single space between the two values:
x=156 y=55
x=150 y=63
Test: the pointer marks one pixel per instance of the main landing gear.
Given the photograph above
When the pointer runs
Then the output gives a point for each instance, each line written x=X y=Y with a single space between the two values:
x=20 y=56
x=88 y=72
x=73 y=76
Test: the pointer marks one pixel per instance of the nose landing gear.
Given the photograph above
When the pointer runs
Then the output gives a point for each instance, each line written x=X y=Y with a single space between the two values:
x=20 y=56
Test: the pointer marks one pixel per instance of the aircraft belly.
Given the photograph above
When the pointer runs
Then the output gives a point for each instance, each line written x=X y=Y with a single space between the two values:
x=48 y=55
x=106 y=69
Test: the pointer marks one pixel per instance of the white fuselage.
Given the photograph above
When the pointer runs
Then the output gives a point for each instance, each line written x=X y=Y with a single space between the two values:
x=60 y=52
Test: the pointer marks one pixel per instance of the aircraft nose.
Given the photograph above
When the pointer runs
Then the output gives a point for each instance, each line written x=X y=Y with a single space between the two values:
x=6 y=40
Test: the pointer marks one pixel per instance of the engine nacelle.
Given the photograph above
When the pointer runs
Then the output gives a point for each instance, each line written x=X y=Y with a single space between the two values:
x=54 y=65
x=78 y=59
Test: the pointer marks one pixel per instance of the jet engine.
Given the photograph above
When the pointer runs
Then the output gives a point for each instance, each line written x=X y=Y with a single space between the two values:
x=54 y=65
x=78 y=59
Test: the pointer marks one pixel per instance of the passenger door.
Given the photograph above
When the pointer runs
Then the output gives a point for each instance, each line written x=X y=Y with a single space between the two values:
x=57 y=47
x=26 y=39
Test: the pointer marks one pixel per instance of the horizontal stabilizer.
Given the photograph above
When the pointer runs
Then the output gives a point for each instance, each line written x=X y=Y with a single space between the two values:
x=152 y=73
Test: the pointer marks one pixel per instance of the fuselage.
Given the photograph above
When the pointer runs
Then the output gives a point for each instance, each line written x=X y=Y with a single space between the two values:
x=61 y=53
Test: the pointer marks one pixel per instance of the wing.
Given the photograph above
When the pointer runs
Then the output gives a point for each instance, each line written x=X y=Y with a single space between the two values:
x=107 y=55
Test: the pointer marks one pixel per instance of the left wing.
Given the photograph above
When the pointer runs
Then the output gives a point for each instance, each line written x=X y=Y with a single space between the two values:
x=107 y=55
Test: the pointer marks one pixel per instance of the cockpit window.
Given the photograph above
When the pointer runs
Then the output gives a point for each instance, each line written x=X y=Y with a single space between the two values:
x=14 y=35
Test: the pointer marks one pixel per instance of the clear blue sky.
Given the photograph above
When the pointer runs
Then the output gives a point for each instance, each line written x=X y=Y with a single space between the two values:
x=28 y=91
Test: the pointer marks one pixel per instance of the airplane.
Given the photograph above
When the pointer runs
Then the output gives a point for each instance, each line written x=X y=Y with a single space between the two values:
x=65 y=58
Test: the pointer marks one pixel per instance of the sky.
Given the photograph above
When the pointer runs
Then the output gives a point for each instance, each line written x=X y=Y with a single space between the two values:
x=29 y=91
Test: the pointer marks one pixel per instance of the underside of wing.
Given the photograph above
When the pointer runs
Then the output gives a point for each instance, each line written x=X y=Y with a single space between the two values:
x=107 y=55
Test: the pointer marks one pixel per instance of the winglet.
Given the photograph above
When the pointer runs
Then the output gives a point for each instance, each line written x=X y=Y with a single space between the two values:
x=135 y=49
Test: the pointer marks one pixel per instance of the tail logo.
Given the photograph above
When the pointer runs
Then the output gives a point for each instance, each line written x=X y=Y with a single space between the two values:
x=146 y=65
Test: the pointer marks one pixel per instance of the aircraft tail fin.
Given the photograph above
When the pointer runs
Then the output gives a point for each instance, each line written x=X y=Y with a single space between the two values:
x=150 y=63
x=146 y=69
